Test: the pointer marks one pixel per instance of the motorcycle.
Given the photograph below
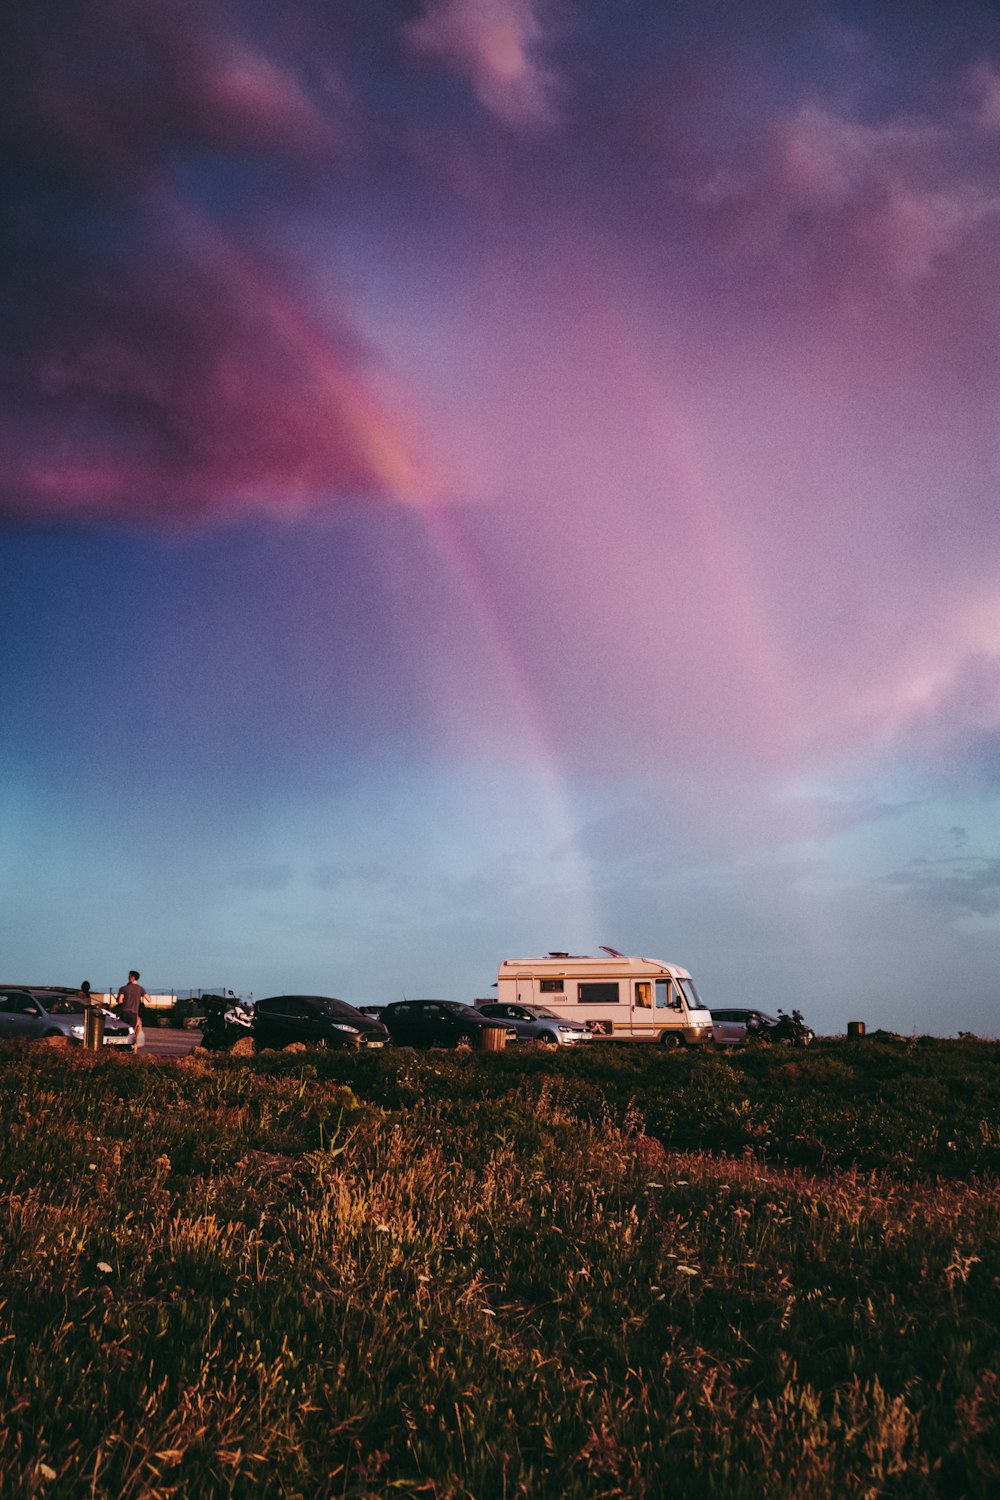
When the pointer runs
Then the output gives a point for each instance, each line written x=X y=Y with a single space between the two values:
x=789 y=1031
x=226 y=1022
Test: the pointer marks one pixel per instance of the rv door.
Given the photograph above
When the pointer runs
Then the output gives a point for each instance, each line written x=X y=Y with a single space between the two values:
x=669 y=1006
x=643 y=1021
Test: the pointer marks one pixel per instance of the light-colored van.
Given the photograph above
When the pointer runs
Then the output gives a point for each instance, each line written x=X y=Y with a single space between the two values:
x=621 y=998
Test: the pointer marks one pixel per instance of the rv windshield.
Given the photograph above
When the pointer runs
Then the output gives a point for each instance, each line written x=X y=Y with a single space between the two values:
x=687 y=989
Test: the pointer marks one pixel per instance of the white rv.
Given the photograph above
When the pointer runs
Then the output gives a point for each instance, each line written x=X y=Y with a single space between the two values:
x=624 y=999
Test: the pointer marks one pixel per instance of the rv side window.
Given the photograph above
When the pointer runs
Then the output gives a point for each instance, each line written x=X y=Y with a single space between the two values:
x=644 y=994
x=662 y=994
x=604 y=993
x=550 y=986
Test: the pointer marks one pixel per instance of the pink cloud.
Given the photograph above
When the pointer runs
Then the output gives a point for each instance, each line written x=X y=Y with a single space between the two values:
x=153 y=365
x=192 y=385
x=495 y=44
x=846 y=201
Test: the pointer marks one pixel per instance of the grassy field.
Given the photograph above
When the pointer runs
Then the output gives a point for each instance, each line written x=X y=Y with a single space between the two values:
x=611 y=1273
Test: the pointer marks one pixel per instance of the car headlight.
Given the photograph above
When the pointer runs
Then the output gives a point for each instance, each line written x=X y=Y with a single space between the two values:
x=343 y=1026
x=76 y=1031
x=568 y=1028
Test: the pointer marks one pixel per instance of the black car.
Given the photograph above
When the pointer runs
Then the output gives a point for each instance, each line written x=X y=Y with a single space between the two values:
x=440 y=1023
x=316 y=1019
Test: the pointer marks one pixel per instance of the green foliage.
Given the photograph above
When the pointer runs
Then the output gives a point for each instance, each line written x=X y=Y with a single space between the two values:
x=612 y=1272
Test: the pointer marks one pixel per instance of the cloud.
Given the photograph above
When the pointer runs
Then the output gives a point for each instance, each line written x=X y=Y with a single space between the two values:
x=116 y=89
x=187 y=384
x=984 y=86
x=949 y=717
x=844 y=201
x=156 y=365
x=965 y=887
x=495 y=44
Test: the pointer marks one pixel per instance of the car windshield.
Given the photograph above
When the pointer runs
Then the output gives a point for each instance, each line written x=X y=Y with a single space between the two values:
x=62 y=1005
x=338 y=1009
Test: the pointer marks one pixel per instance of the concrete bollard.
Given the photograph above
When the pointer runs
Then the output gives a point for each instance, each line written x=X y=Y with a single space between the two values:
x=855 y=1028
x=93 y=1029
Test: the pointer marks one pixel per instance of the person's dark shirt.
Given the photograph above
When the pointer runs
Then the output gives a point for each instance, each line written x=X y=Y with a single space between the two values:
x=130 y=997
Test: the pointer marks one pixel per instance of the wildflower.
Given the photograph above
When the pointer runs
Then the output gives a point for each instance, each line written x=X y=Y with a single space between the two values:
x=104 y=1268
x=46 y=1471
x=688 y=1270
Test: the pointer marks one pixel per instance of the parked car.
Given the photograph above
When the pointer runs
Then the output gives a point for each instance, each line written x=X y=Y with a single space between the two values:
x=440 y=1023
x=729 y=1027
x=26 y=1014
x=536 y=1023
x=318 y=1020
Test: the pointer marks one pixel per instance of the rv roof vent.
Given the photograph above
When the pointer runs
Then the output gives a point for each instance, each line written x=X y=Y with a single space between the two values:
x=559 y=955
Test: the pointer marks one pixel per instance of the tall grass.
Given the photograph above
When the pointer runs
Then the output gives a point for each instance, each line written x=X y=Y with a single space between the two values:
x=619 y=1274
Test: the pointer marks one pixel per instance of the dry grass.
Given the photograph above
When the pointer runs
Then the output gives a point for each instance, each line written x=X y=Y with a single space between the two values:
x=495 y=1276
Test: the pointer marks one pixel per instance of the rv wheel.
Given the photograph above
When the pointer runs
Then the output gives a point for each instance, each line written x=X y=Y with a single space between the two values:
x=671 y=1039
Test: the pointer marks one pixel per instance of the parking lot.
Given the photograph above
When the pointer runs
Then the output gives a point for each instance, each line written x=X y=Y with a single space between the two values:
x=166 y=1042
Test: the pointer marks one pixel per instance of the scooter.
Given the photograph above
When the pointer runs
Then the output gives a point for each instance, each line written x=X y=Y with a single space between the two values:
x=225 y=1023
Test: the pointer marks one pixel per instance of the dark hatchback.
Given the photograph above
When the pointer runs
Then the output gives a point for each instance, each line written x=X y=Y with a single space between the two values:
x=317 y=1020
x=439 y=1023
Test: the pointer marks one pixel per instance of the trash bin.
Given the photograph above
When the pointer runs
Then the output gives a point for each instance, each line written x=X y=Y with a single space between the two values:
x=93 y=1029
x=494 y=1038
x=855 y=1028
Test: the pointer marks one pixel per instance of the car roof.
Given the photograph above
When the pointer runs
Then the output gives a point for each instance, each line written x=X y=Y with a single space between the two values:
x=44 y=989
x=325 y=999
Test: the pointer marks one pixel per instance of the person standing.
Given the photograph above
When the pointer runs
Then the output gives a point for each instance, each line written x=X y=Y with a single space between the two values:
x=130 y=997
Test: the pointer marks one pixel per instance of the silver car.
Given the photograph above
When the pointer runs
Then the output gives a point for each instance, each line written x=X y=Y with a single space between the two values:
x=534 y=1023
x=26 y=1014
x=729 y=1027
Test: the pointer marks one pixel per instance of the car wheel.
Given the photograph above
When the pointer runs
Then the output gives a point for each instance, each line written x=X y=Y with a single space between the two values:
x=463 y=1043
x=549 y=1039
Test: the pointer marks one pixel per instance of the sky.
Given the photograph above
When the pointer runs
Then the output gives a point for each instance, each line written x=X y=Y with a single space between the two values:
x=489 y=476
